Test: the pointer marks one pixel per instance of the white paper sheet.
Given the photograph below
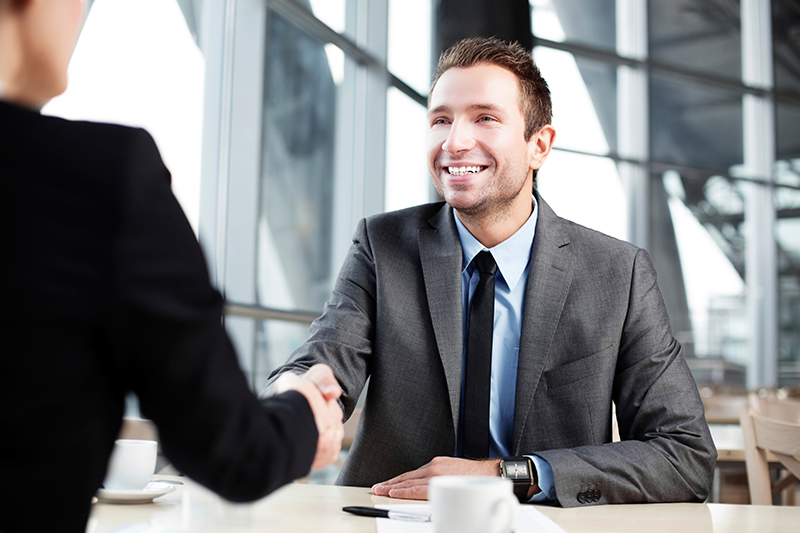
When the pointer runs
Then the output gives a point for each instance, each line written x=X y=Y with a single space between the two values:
x=529 y=520
x=147 y=528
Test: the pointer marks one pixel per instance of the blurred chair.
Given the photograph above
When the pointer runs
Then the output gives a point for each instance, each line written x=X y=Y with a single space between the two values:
x=782 y=438
x=723 y=407
x=772 y=404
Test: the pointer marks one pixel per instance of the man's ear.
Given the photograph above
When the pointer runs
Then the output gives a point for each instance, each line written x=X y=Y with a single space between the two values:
x=539 y=146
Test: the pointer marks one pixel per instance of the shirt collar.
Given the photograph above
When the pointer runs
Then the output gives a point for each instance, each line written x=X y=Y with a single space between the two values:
x=511 y=255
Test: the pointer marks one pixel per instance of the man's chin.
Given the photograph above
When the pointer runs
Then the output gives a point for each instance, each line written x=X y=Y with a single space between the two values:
x=466 y=206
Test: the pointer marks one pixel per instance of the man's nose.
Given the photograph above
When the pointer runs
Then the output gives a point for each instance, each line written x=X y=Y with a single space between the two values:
x=459 y=139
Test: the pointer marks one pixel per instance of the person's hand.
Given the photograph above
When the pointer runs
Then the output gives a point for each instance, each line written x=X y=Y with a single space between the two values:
x=320 y=388
x=414 y=485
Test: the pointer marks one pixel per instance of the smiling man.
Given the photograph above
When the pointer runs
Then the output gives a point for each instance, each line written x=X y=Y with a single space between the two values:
x=495 y=335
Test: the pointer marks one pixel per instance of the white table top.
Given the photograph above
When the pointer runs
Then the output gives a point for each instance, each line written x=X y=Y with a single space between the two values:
x=317 y=508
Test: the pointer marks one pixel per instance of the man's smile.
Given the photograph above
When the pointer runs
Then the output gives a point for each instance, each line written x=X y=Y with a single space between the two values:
x=463 y=171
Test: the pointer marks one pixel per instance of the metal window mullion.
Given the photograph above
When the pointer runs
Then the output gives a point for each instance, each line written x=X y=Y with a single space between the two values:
x=632 y=116
x=373 y=36
x=759 y=158
x=216 y=36
x=361 y=122
x=247 y=112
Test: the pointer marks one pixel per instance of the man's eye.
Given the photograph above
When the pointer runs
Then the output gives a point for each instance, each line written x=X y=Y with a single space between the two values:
x=486 y=119
x=439 y=121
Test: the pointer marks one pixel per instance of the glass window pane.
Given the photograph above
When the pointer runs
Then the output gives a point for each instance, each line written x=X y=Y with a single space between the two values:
x=410 y=56
x=577 y=21
x=786 y=44
x=331 y=12
x=787 y=236
x=702 y=36
x=584 y=95
x=585 y=189
x=407 y=181
x=297 y=177
x=787 y=122
x=137 y=64
x=695 y=124
x=275 y=341
x=697 y=244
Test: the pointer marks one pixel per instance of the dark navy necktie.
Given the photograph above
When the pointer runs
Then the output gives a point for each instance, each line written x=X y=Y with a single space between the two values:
x=477 y=382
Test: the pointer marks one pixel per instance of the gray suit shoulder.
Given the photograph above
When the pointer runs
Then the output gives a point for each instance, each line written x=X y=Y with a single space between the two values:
x=597 y=249
x=418 y=213
x=401 y=225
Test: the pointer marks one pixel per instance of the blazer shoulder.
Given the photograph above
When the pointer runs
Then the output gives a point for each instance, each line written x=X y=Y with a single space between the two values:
x=398 y=230
x=70 y=142
x=418 y=215
x=402 y=221
x=593 y=240
x=108 y=142
x=596 y=252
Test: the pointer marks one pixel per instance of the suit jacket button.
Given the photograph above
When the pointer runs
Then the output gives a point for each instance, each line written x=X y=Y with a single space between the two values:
x=595 y=495
x=582 y=497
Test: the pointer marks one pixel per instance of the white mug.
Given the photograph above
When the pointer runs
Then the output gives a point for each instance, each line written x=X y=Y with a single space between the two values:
x=131 y=465
x=472 y=504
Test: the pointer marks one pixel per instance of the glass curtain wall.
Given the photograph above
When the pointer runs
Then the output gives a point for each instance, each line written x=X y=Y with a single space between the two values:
x=697 y=202
x=786 y=49
x=676 y=119
x=297 y=151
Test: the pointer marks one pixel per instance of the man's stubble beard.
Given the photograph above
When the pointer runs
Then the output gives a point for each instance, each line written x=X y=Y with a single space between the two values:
x=488 y=210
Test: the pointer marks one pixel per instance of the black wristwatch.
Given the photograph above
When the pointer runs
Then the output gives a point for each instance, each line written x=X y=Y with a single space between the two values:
x=521 y=472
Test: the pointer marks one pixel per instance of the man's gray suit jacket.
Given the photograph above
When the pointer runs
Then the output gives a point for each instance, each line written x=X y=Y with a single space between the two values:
x=595 y=330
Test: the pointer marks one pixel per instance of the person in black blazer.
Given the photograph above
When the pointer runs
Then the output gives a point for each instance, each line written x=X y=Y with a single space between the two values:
x=106 y=291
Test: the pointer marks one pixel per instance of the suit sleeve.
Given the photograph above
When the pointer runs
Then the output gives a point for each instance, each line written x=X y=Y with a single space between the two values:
x=343 y=336
x=173 y=352
x=666 y=453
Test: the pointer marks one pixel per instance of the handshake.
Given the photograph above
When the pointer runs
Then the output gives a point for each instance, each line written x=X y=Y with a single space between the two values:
x=320 y=388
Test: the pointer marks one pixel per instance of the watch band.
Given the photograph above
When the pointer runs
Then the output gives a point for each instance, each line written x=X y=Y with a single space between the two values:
x=521 y=485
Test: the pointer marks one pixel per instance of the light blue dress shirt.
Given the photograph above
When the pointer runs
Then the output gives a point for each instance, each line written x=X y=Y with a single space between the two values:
x=513 y=263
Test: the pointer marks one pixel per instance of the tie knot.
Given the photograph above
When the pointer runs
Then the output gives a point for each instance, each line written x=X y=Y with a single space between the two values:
x=485 y=264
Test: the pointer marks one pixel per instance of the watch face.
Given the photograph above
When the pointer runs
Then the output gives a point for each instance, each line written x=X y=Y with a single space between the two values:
x=516 y=470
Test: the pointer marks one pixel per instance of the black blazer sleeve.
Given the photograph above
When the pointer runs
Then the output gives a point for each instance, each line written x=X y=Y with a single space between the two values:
x=174 y=353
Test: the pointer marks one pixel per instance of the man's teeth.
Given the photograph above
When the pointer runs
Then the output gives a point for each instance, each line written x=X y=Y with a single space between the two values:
x=461 y=171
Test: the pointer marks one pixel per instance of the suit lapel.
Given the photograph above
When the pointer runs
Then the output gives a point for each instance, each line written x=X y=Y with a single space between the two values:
x=440 y=253
x=549 y=280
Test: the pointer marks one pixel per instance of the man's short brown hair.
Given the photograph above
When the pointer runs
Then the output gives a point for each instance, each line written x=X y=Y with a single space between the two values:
x=534 y=93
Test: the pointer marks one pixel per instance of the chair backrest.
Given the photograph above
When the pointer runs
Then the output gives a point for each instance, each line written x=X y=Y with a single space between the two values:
x=762 y=434
x=723 y=408
x=771 y=406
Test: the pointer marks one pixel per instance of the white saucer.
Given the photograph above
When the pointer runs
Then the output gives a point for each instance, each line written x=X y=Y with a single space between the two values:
x=154 y=489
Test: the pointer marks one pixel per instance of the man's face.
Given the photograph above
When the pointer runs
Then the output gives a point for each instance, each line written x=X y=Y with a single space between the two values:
x=478 y=158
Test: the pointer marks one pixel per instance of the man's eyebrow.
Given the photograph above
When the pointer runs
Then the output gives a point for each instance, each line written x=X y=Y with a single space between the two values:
x=439 y=109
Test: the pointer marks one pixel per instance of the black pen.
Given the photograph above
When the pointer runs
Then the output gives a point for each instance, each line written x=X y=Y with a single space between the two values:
x=383 y=513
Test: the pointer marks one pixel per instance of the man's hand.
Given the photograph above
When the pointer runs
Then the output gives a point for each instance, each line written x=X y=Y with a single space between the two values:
x=414 y=485
x=321 y=389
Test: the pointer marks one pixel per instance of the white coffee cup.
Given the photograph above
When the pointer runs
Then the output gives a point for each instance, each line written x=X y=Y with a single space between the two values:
x=472 y=504
x=131 y=465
